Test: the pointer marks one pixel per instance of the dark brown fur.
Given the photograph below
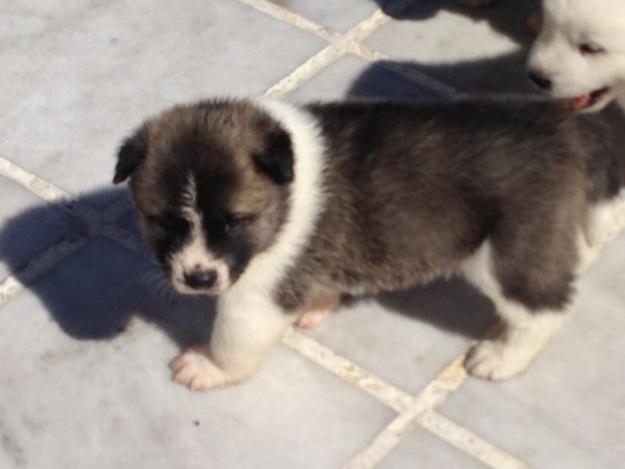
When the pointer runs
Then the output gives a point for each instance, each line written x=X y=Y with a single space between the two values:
x=413 y=190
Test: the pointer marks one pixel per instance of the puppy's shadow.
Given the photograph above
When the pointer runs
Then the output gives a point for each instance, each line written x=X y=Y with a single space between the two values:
x=97 y=290
x=452 y=305
x=501 y=73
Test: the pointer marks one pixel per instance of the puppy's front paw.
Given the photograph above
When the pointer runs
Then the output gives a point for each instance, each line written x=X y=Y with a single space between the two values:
x=497 y=360
x=196 y=371
x=310 y=319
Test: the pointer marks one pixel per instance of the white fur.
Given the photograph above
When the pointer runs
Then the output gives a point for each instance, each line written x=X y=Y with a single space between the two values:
x=248 y=321
x=556 y=55
x=194 y=255
x=605 y=221
x=526 y=332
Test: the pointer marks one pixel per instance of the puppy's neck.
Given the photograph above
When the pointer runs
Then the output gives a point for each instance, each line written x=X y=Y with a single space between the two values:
x=306 y=201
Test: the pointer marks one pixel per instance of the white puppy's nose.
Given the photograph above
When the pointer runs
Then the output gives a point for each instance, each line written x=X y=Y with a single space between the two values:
x=540 y=81
x=200 y=279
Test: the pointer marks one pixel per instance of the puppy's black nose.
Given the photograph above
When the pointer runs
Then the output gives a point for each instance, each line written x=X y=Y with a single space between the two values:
x=540 y=81
x=200 y=279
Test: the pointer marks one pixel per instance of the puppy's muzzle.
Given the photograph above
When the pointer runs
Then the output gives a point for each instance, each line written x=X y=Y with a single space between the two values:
x=200 y=279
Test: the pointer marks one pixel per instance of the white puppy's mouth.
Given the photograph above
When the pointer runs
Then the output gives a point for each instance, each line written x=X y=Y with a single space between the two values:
x=587 y=101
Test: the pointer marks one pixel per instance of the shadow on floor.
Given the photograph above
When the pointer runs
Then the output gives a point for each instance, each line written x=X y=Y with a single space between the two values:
x=95 y=292
x=505 y=73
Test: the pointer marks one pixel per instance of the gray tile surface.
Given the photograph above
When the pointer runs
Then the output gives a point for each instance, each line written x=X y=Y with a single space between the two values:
x=82 y=386
x=339 y=15
x=72 y=92
x=568 y=411
x=408 y=338
x=423 y=450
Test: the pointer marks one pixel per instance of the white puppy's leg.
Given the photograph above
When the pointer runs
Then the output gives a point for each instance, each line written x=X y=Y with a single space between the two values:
x=605 y=222
x=246 y=329
x=525 y=335
x=525 y=332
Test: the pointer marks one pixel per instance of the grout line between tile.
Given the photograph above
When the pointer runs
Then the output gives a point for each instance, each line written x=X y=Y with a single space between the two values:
x=97 y=223
x=51 y=194
x=308 y=69
x=350 y=42
x=434 y=394
x=468 y=442
x=11 y=286
x=287 y=16
x=348 y=371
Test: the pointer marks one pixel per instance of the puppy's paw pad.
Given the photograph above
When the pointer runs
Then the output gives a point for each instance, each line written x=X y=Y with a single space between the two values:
x=310 y=319
x=196 y=371
x=495 y=360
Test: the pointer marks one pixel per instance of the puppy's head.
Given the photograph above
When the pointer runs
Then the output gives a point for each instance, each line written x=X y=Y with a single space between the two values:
x=211 y=184
x=579 y=55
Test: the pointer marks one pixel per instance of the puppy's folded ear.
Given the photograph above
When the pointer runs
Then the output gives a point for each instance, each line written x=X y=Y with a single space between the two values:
x=276 y=161
x=130 y=155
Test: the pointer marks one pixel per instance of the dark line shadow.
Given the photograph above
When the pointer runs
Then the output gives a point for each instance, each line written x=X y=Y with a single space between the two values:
x=94 y=293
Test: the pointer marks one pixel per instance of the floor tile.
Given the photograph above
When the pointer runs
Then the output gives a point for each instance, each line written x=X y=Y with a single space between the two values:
x=423 y=450
x=340 y=16
x=474 y=50
x=354 y=77
x=409 y=337
x=568 y=410
x=71 y=94
x=24 y=19
x=28 y=226
x=84 y=383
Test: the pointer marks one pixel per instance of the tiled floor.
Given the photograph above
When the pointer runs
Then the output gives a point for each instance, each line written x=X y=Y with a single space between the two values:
x=86 y=333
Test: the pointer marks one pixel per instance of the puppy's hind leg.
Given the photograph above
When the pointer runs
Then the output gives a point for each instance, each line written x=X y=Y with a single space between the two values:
x=527 y=328
x=319 y=308
x=246 y=329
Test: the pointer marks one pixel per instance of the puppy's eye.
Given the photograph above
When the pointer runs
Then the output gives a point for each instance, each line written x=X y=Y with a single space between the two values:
x=231 y=225
x=234 y=222
x=167 y=222
x=588 y=48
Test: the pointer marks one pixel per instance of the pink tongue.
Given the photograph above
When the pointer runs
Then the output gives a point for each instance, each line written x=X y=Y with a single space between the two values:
x=581 y=102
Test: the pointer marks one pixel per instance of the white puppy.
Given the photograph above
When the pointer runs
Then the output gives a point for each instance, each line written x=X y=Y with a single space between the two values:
x=579 y=55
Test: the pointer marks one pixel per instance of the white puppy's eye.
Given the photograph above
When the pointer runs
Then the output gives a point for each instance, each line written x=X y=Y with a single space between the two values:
x=588 y=48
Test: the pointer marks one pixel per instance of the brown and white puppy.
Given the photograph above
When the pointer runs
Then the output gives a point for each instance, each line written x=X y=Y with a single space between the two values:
x=270 y=206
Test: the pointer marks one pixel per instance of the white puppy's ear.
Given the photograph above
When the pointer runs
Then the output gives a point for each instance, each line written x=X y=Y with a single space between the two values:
x=276 y=161
x=130 y=155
